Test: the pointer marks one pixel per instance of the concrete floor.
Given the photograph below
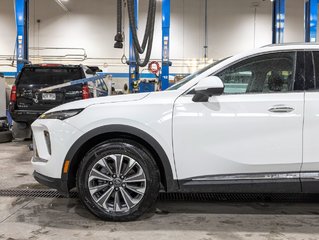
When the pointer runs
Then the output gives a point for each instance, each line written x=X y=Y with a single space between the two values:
x=58 y=218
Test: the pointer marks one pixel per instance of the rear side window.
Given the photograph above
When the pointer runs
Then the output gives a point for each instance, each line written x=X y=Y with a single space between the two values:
x=49 y=76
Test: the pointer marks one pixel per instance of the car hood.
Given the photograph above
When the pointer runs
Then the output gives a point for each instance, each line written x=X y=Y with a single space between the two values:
x=110 y=99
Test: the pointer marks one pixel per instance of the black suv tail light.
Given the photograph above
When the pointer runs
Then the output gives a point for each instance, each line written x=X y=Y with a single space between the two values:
x=85 y=92
x=13 y=96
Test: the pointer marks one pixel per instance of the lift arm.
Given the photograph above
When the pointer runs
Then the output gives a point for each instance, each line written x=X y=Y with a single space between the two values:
x=99 y=76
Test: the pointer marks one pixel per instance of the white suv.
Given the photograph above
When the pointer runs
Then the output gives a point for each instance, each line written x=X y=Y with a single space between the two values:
x=249 y=123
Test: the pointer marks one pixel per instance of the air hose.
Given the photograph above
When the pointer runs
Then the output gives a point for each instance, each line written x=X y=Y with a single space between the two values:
x=119 y=36
x=149 y=24
x=147 y=43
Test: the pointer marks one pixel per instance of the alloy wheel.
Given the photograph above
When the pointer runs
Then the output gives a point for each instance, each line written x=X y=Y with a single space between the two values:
x=117 y=183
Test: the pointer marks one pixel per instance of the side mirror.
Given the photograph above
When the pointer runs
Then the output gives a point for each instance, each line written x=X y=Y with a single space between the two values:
x=208 y=87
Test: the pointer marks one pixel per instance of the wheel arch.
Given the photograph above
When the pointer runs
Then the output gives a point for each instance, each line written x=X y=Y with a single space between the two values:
x=96 y=136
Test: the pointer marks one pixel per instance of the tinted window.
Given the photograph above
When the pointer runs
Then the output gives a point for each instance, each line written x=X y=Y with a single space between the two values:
x=195 y=74
x=49 y=76
x=262 y=74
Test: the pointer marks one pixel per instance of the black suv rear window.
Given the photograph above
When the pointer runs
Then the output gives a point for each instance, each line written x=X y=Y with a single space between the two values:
x=49 y=76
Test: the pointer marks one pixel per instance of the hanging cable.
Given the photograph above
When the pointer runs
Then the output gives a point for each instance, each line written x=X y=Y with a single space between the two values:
x=124 y=58
x=206 y=33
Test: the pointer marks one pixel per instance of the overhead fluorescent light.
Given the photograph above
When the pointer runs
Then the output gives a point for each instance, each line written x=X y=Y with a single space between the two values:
x=60 y=3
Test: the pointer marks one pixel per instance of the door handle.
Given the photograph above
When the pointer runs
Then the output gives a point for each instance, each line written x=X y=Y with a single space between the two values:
x=281 y=109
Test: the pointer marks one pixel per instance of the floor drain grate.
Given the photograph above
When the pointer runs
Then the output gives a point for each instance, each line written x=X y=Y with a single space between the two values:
x=202 y=197
x=35 y=193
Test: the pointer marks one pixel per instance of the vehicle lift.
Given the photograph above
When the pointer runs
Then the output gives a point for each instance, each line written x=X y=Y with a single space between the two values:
x=22 y=54
x=22 y=22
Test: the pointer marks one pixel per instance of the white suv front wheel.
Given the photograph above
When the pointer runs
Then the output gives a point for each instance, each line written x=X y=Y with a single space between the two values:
x=118 y=180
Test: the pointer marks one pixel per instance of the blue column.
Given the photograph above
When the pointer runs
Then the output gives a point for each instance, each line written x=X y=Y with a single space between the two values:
x=133 y=69
x=311 y=20
x=166 y=22
x=22 y=22
x=278 y=21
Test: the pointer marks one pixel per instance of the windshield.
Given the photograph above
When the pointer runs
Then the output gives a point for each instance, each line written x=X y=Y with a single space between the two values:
x=49 y=76
x=195 y=74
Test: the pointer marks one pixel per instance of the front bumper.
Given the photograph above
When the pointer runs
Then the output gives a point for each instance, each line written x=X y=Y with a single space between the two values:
x=54 y=183
x=52 y=140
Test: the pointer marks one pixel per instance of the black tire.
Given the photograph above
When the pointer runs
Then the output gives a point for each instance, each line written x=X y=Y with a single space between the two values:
x=131 y=149
x=5 y=136
x=21 y=130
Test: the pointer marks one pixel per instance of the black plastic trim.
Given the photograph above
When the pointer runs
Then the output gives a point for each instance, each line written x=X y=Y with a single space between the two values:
x=27 y=116
x=242 y=186
x=310 y=185
x=310 y=78
x=54 y=183
x=172 y=185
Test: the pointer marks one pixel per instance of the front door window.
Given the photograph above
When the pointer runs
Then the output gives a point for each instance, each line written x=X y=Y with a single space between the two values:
x=269 y=73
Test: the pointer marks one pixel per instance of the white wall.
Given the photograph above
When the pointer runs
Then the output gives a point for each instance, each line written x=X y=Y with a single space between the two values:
x=294 y=25
x=234 y=26
x=7 y=32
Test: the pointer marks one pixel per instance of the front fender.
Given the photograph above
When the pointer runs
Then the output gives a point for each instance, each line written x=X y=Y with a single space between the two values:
x=72 y=155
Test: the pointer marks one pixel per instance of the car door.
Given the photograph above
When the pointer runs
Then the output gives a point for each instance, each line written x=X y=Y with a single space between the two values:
x=310 y=165
x=252 y=131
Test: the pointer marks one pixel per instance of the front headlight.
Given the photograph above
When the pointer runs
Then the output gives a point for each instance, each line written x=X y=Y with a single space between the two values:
x=61 y=115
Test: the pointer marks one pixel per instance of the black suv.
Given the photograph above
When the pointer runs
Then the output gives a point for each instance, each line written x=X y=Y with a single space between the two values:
x=27 y=103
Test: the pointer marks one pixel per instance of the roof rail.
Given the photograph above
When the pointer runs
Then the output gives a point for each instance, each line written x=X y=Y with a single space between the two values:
x=290 y=44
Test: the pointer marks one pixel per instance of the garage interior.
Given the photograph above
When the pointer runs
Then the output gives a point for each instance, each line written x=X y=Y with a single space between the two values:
x=188 y=35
